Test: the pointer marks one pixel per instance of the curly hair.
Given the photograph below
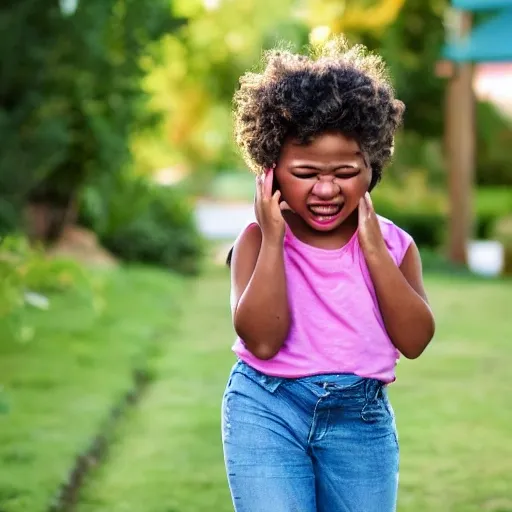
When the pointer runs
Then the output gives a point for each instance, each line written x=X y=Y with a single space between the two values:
x=335 y=88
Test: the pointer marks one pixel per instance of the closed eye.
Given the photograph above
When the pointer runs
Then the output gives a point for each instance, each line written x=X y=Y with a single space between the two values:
x=342 y=172
x=307 y=176
x=347 y=175
x=343 y=176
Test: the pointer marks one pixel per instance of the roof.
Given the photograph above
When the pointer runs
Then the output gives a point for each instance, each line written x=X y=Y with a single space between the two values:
x=480 y=5
x=490 y=41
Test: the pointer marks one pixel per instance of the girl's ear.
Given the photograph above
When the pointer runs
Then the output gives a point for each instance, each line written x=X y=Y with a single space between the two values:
x=375 y=177
x=275 y=185
x=229 y=257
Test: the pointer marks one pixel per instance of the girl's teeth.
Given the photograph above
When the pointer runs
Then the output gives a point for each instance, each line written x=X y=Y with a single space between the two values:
x=325 y=211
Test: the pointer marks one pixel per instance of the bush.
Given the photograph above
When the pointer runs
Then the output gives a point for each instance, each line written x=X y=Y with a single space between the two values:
x=427 y=229
x=491 y=204
x=419 y=155
x=74 y=121
x=423 y=210
x=503 y=233
x=25 y=274
x=414 y=206
x=435 y=262
x=9 y=216
x=494 y=138
x=142 y=222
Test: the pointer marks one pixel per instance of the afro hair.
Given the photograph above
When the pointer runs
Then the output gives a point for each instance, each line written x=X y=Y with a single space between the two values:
x=336 y=87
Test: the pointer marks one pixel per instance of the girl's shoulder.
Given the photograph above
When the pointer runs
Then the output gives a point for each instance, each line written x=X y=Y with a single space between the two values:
x=251 y=232
x=250 y=228
x=397 y=239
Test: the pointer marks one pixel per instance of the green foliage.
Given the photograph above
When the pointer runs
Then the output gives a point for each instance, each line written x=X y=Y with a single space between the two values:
x=491 y=204
x=428 y=228
x=411 y=46
x=414 y=205
x=502 y=231
x=11 y=289
x=494 y=140
x=25 y=274
x=71 y=93
x=200 y=69
x=434 y=262
x=140 y=221
x=415 y=154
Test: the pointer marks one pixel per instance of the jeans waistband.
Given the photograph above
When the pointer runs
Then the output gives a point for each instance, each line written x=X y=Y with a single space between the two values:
x=333 y=382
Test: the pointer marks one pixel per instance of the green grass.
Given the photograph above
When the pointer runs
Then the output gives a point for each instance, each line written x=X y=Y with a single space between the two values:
x=168 y=456
x=60 y=387
x=453 y=409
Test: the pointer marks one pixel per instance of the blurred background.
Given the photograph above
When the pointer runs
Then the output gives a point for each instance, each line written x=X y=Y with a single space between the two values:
x=121 y=191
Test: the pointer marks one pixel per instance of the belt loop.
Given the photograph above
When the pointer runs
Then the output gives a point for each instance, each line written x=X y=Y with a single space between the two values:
x=373 y=387
x=380 y=385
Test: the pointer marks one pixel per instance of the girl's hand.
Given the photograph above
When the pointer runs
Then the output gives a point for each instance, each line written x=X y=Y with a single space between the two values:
x=268 y=209
x=370 y=235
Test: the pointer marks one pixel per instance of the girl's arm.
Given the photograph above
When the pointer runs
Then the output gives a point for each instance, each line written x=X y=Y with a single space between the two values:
x=402 y=300
x=400 y=292
x=259 y=298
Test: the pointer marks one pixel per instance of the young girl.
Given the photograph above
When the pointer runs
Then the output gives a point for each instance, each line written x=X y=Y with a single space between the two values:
x=326 y=294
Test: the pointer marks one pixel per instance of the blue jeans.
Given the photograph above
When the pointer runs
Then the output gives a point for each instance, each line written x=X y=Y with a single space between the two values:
x=326 y=443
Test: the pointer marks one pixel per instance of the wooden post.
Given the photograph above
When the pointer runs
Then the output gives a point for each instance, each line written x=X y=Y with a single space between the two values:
x=460 y=146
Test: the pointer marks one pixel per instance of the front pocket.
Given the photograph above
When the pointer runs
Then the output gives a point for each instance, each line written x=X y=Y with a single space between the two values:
x=375 y=411
x=267 y=382
x=379 y=413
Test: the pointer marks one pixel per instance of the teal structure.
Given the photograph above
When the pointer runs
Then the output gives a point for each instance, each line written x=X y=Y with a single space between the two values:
x=489 y=41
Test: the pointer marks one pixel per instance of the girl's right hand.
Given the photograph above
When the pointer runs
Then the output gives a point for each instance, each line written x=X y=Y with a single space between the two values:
x=268 y=209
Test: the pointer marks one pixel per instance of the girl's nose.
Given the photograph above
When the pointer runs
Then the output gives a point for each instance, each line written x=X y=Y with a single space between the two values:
x=325 y=188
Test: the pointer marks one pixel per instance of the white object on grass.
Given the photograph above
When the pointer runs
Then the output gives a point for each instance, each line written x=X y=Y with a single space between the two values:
x=486 y=257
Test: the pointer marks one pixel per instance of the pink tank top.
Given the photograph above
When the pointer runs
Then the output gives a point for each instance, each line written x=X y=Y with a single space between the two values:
x=336 y=324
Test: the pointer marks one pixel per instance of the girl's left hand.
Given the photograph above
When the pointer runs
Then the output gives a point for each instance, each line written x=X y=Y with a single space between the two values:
x=369 y=233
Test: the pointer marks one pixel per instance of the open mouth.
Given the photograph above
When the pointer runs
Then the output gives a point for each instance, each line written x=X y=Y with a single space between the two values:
x=325 y=213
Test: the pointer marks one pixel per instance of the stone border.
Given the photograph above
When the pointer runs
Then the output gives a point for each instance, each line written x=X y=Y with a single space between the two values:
x=67 y=496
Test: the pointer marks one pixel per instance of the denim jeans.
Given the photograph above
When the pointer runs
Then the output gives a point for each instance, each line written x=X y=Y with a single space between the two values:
x=326 y=443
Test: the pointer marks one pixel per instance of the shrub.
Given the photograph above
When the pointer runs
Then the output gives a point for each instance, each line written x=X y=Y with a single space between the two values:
x=419 y=155
x=491 y=204
x=423 y=210
x=435 y=262
x=142 y=222
x=494 y=138
x=427 y=229
x=503 y=233
x=414 y=206
x=25 y=274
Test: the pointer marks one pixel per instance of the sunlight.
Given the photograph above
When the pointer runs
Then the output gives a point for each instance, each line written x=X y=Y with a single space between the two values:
x=319 y=34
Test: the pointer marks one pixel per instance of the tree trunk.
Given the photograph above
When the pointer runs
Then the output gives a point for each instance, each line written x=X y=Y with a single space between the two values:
x=46 y=219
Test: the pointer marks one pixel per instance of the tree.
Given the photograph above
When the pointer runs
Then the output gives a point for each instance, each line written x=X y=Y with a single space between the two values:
x=70 y=97
x=198 y=75
x=409 y=34
x=353 y=15
x=412 y=46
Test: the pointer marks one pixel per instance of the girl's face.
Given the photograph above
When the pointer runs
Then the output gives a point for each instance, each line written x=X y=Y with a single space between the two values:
x=324 y=180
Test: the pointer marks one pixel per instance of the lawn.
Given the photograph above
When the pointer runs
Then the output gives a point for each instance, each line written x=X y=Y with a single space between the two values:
x=453 y=407
x=58 y=388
